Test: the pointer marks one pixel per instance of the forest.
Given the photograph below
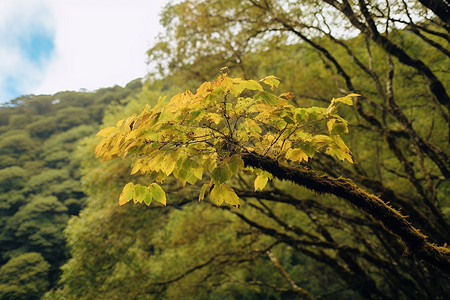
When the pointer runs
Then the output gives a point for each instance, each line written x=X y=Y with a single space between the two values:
x=276 y=150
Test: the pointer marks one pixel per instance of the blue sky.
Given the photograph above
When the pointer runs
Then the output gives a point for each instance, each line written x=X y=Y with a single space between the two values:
x=37 y=46
x=48 y=46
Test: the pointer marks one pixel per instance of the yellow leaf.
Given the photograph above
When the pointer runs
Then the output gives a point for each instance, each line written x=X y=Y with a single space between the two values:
x=203 y=190
x=287 y=96
x=271 y=81
x=119 y=123
x=342 y=151
x=241 y=84
x=136 y=168
x=127 y=193
x=353 y=95
x=330 y=124
x=296 y=155
x=155 y=162
x=107 y=131
x=223 y=193
x=260 y=182
x=169 y=163
x=213 y=117
x=198 y=172
x=99 y=148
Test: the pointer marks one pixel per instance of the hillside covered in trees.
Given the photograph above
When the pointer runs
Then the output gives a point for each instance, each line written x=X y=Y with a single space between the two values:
x=40 y=182
x=261 y=147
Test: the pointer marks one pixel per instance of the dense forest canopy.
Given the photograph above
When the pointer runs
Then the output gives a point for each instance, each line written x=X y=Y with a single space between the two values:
x=59 y=205
x=40 y=182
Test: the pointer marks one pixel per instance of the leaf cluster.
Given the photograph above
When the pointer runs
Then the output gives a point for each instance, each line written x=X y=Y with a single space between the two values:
x=207 y=132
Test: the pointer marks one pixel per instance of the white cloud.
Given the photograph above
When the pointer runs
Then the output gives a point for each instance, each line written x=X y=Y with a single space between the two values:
x=100 y=43
x=97 y=43
x=18 y=71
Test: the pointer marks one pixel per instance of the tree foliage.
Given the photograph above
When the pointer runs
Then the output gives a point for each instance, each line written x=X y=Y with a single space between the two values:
x=210 y=130
x=39 y=179
x=220 y=131
x=24 y=277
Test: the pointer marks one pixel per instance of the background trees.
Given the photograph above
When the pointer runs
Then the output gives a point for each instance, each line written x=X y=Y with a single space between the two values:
x=40 y=183
x=397 y=90
x=24 y=277
x=381 y=50
x=284 y=241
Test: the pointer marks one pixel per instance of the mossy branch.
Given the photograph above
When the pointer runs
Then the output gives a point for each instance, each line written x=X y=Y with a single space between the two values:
x=392 y=220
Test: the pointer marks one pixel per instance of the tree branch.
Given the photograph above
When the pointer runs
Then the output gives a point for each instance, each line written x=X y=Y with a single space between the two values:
x=304 y=293
x=415 y=242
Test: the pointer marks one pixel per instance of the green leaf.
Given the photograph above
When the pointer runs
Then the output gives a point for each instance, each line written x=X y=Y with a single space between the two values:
x=236 y=164
x=308 y=148
x=191 y=179
x=157 y=193
x=288 y=119
x=127 y=193
x=221 y=174
x=267 y=97
x=140 y=193
x=198 y=114
x=337 y=128
x=301 y=114
x=148 y=198
x=241 y=84
x=315 y=113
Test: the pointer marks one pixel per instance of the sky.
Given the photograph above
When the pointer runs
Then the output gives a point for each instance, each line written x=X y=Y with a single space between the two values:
x=47 y=46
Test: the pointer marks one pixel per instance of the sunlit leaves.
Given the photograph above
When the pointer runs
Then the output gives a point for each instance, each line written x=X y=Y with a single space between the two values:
x=207 y=132
x=157 y=193
x=345 y=100
x=107 y=131
x=261 y=179
x=271 y=81
x=142 y=194
x=337 y=127
x=267 y=98
x=296 y=155
x=223 y=193
x=241 y=84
